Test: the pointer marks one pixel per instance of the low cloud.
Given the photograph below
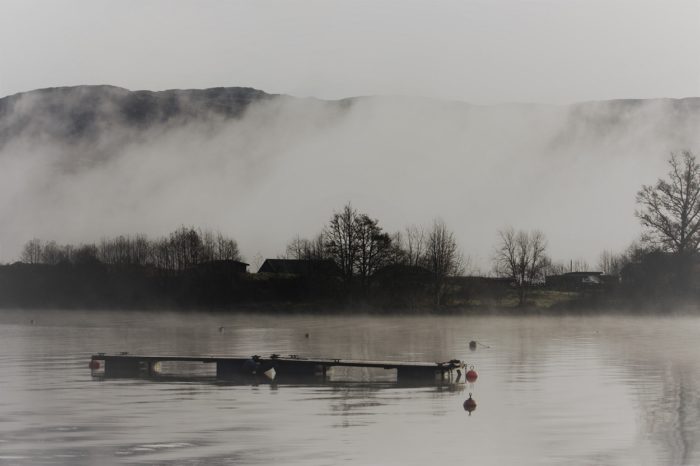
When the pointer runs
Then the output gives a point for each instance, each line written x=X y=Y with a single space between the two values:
x=283 y=165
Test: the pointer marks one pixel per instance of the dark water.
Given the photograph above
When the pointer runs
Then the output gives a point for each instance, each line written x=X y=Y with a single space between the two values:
x=574 y=391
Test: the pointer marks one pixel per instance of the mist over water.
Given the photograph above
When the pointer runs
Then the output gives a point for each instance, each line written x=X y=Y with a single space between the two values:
x=283 y=165
x=551 y=390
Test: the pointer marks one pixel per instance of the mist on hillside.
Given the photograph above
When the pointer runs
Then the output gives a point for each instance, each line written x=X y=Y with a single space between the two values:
x=264 y=169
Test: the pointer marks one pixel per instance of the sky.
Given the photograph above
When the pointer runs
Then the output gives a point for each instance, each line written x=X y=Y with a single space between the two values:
x=484 y=51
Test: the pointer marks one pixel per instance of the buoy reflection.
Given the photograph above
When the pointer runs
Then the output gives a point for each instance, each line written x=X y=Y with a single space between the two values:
x=469 y=404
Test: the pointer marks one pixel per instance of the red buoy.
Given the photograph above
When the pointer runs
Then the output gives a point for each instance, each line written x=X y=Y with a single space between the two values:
x=94 y=365
x=469 y=404
x=471 y=375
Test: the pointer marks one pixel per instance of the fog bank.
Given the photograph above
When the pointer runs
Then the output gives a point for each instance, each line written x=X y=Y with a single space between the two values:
x=265 y=168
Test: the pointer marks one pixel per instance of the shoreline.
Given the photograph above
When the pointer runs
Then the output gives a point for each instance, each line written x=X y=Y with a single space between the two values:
x=317 y=308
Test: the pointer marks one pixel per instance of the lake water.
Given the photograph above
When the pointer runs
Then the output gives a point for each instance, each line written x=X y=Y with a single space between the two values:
x=569 y=391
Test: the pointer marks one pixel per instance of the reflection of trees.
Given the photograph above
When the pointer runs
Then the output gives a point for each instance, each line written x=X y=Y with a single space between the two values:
x=668 y=394
x=670 y=412
x=688 y=417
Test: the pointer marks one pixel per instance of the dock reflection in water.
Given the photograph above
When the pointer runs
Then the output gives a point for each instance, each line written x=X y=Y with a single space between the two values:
x=299 y=380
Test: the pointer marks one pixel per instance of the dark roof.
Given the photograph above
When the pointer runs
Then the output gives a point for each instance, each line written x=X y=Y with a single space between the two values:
x=581 y=274
x=298 y=266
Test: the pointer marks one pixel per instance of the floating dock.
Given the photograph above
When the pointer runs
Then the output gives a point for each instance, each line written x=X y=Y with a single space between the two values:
x=124 y=365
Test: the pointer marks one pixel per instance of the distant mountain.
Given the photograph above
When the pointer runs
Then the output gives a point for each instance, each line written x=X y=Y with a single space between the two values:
x=80 y=111
x=602 y=118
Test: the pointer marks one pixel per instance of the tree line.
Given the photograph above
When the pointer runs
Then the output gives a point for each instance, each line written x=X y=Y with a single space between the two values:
x=183 y=248
x=359 y=246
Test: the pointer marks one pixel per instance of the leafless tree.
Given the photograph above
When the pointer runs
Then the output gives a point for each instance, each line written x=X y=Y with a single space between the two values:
x=187 y=247
x=397 y=253
x=209 y=249
x=125 y=250
x=32 y=252
x=162 y=255
x=140 y=250
x=373 y=248
x=414 y=245
x=520 y=255
x=304 y=249
x=183 y=248
x=297 y=248
x=227 y=249
x=341 y=240
x=610 y=263
x=442 y=257
x=670 y=209
x=216 y=247
x=52 y=253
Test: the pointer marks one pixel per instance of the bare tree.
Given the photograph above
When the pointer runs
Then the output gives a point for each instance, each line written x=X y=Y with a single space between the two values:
x=32 y=252
x=579 y=265
x=297 y=248
x=140 y=250
x=373 y=248
x=53 y=253
x=162 y=255
x=414 y=245
x=304 y=249
x=520 y=255
x=670 y=209
x=442 y=257
x=209 y=249
x=187 y=247
x=183 y=248
x=610 y=263
x=227 y=249
x=341 y=240
x=317 y=248
x=397 y=253
x=216 y=247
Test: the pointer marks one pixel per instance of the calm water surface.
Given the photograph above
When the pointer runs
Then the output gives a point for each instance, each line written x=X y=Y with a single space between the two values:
x=574 y=391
